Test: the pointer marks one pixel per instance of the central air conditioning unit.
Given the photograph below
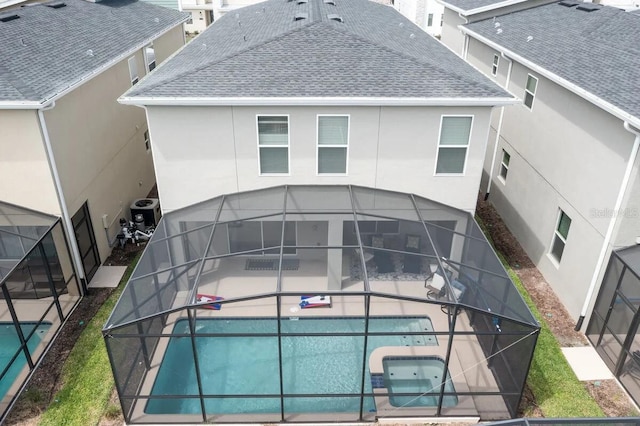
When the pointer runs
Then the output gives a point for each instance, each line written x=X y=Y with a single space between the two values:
x=149 y=208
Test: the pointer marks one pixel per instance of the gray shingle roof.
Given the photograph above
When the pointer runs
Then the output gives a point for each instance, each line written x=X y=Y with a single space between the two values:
x=260 y=51
x=597 y=51
x=47 y=50
x=467 y=5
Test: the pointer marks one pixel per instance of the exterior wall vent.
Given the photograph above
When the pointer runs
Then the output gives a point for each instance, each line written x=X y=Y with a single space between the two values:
x=588 y=7
x=569 y=3
x=300 y=16
x=334 y=17
x=56 y=5
x=7 y=18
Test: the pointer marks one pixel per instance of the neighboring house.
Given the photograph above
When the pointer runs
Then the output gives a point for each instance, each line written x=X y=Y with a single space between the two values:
x=628 y=5
x=562 y=167
x=67 y=148
x=427 y=14
x=460 y=12
x=317 y=93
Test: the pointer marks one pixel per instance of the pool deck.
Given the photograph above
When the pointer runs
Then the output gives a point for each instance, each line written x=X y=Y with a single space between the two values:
x=468 y=367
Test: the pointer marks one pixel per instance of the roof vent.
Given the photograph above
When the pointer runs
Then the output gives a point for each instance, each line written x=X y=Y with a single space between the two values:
x=302 y=1
x=7 y=18
x=588 y=7
x=300 y=16
x=334 y=17
x=331 y=2
x=569 y=3
x=56 y=5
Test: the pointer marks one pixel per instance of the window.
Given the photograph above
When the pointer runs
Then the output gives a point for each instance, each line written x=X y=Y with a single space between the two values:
x=261 y=235
x=452 y=147
x=333 y=142
x=150 y=57
x=530 y=91
x=133 y=70
x=147 y=141
x=273 y=144
x=560 y=236
x=504 y=166
x=430 y=20
x=494 y=68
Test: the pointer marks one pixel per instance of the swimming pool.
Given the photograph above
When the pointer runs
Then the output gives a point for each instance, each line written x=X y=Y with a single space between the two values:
x=417 y=375
x=248 y=365
x=9 y=345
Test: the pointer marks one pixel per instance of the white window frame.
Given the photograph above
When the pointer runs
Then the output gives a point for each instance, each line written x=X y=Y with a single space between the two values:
x=147 y=63
x=559 y=236
x=133 y=70
x=504 y=167
x=466 y=154
x=496 y=64
x=318 y=146
x=533 y=94
x=288 y=145
x=147 y=140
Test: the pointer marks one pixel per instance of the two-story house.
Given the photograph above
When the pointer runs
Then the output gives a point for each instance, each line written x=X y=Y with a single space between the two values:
x=427 y=14
x=562 y=167
x=314 y=93
x=67 y=147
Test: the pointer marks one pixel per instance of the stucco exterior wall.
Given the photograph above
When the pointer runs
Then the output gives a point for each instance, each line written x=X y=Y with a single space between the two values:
x=25 y=176
x=202 y=152
x=566 y=153
x=99 y=144
x=452 y=37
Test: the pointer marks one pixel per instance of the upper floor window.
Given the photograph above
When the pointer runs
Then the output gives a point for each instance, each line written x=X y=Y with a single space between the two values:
x=494 y=67
x=273 y=144
x=504 y=165
x=133 y=70
x=430 y=20
x=333 y=144
x=147 y=141
x=530 y=91
x=560 y=235
x=455 y=132
x=150 y=57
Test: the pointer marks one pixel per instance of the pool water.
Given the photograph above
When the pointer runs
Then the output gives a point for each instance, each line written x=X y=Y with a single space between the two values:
x=9 y=345
x=248 y=365
x=417 y=375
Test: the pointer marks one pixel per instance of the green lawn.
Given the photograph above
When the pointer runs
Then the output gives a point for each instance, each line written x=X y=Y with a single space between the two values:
x=88 y=381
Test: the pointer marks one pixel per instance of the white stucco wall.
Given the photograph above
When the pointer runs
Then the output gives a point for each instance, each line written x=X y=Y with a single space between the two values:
x=202 y=152
x=566 y=153
x=25 y=176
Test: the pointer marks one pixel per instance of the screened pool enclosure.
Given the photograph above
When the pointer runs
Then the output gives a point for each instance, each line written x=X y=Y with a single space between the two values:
x=319 y=303
x=39 y=289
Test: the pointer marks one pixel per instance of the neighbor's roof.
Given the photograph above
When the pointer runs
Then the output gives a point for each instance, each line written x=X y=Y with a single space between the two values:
x=597 y=52
x=261 y=52
x=470 y=7
x=47 y=50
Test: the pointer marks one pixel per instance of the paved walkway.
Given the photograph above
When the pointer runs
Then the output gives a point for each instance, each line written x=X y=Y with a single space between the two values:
x=107 y=276
x=586 y=363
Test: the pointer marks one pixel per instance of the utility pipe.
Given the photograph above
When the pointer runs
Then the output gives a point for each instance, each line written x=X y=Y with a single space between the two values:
x=607 y=239
x=66 y=218
x=499 y=129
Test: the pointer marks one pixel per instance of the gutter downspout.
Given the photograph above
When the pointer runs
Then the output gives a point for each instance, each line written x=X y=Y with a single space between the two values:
x=66 y=218
x=607 y=239
x=499 y=129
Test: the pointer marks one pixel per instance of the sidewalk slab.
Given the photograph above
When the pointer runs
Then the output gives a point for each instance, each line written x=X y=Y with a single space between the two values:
x=587 y=364
x=107 y=277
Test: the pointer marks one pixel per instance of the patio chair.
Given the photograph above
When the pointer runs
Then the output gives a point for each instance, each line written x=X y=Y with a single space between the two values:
x=382 y=259
x=412 y=263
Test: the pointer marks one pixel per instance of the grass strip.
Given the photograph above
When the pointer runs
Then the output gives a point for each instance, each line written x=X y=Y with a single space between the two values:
x=87 y=377
x=557 y=390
